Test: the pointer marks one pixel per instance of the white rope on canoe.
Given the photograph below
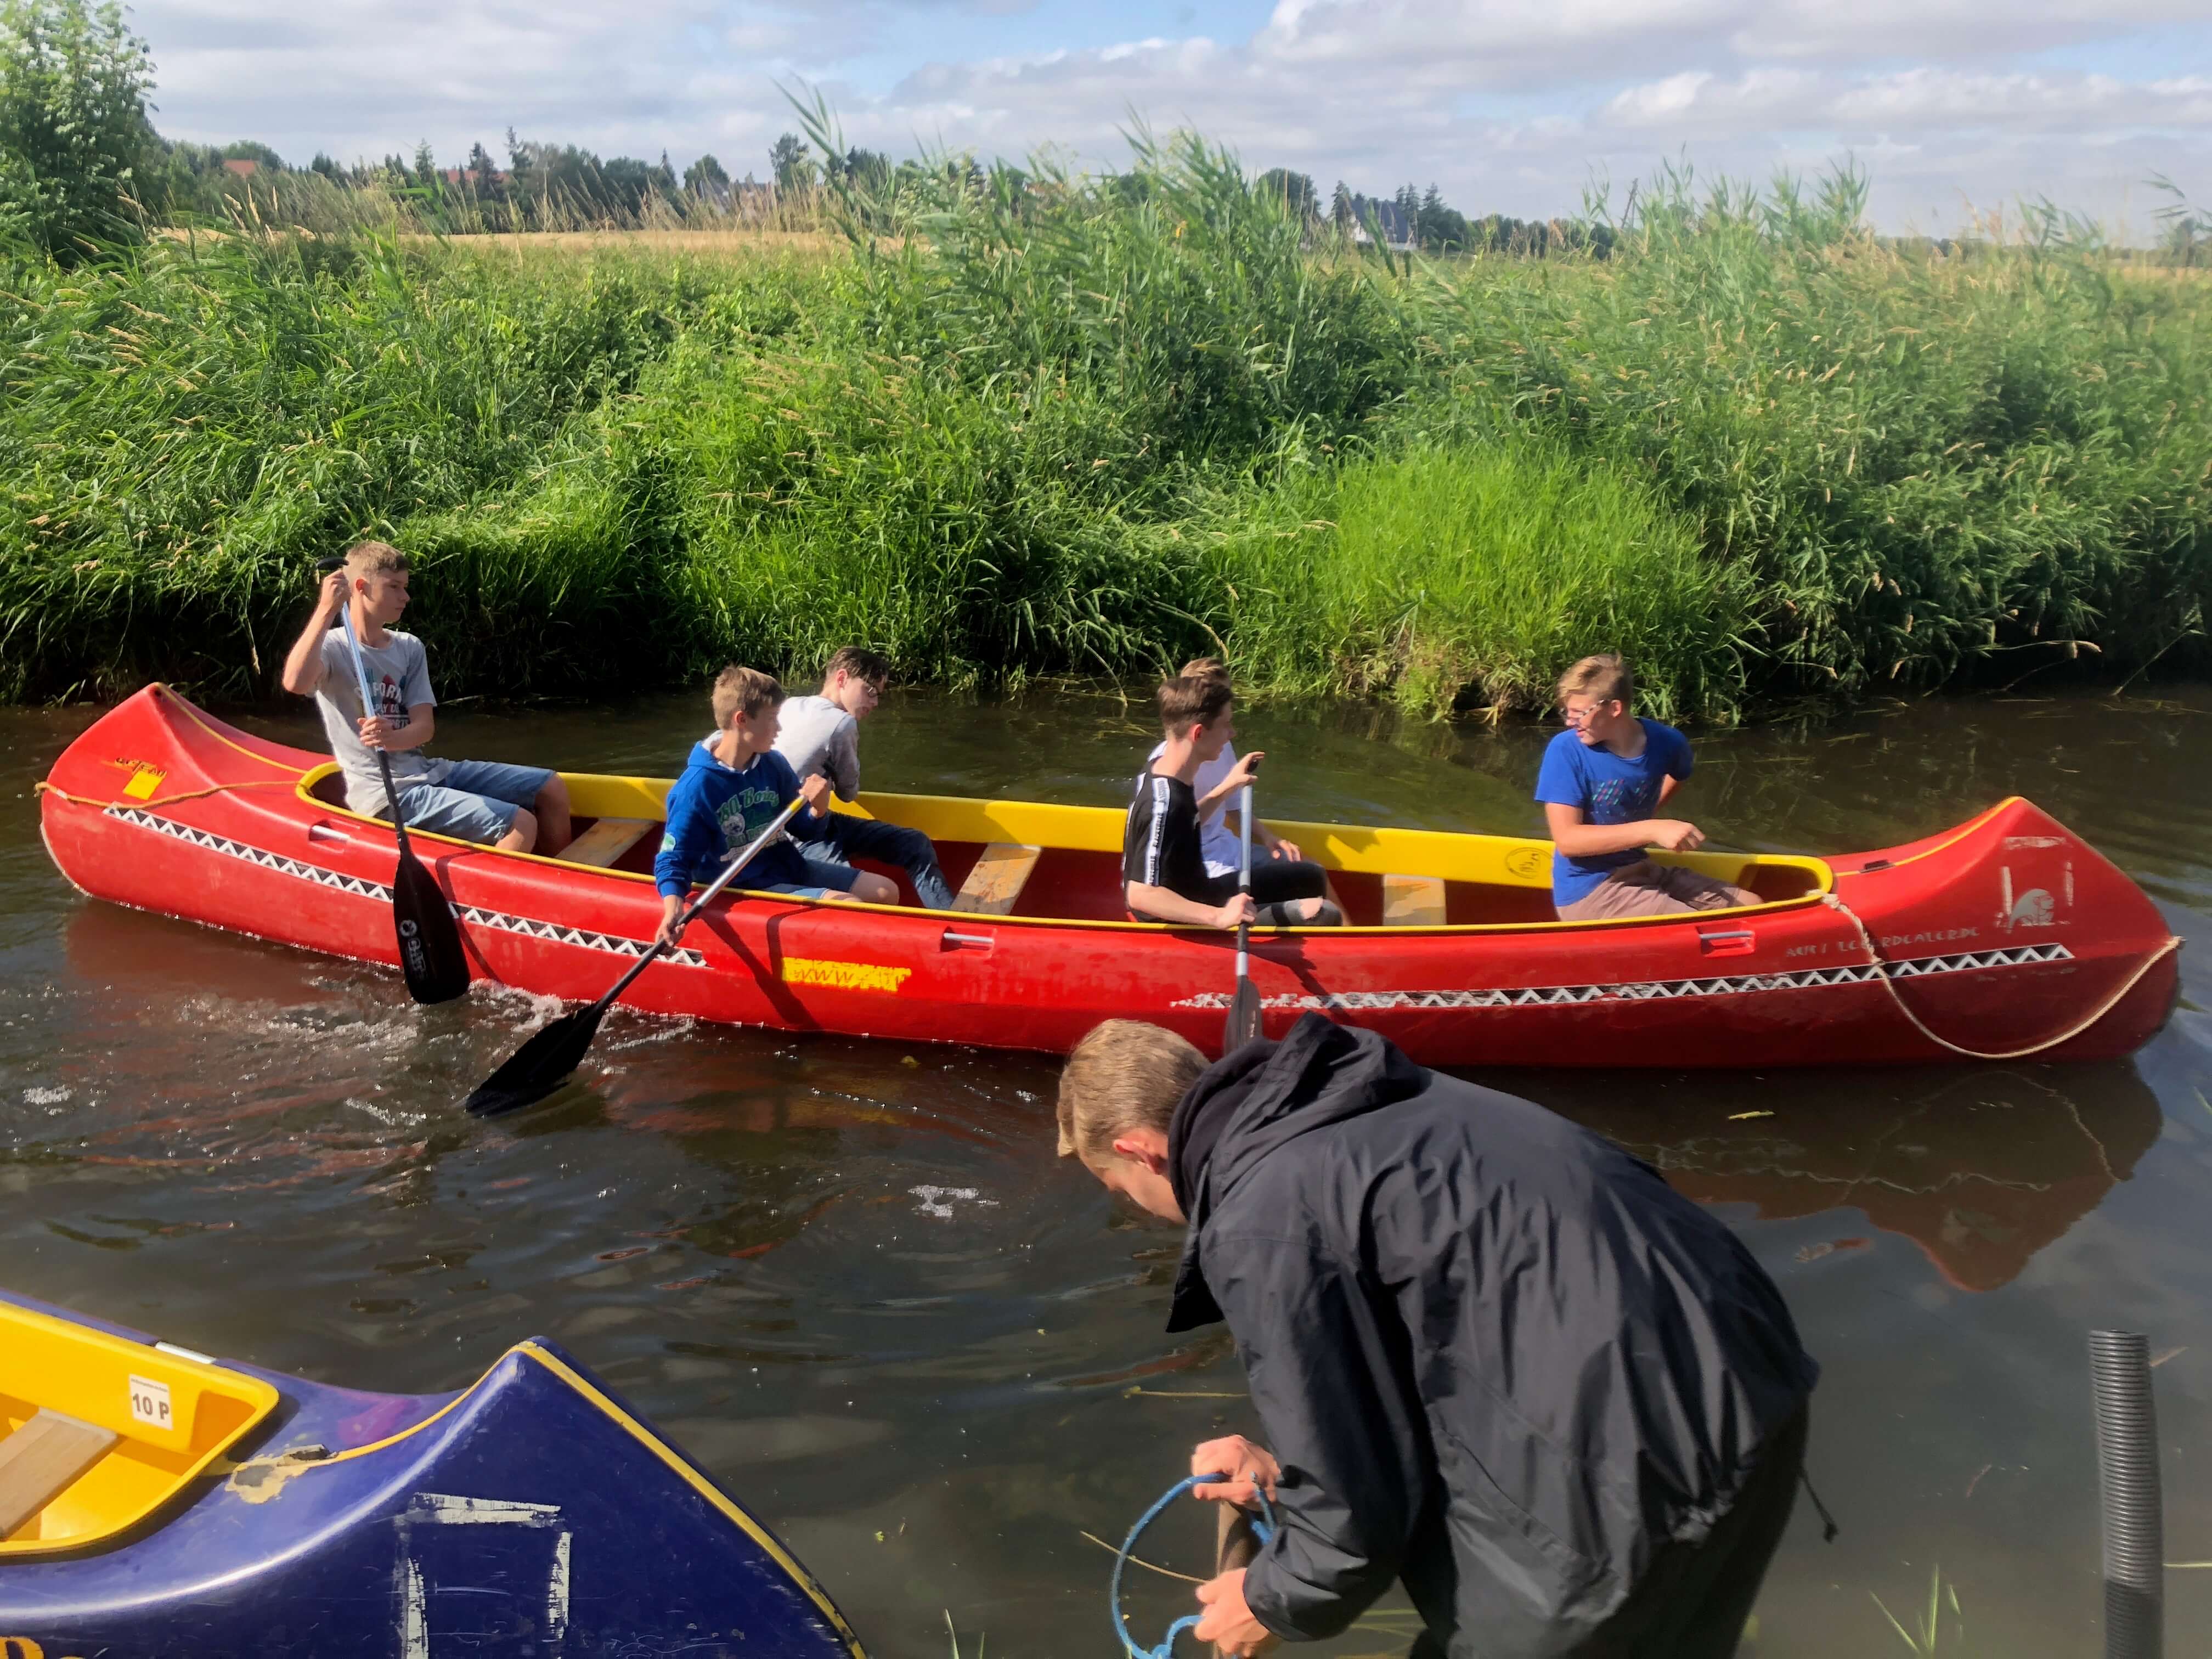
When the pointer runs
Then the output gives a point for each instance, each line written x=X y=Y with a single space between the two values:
x=2172 y=943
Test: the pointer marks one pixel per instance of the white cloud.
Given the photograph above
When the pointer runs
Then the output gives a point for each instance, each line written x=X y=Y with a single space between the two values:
x=1509 y=105
x=1949 y=30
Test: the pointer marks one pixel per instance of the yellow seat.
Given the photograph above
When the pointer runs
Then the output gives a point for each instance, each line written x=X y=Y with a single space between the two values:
x=605 y=841
x=160 y=1417
x=1001 y=871
x=1412 y=901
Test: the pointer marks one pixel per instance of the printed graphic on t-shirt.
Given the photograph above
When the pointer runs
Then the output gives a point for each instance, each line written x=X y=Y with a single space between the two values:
x=391 y=703
x=745 y=814
x=1606 y=803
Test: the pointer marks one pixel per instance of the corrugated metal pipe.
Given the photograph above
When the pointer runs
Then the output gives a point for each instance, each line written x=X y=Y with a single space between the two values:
x=2128 y=1494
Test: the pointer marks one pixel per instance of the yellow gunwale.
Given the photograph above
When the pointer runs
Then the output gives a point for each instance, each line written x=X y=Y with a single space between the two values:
x=624 y=797
x=646 y=1435
x=103 y=1350
x=1944 y=845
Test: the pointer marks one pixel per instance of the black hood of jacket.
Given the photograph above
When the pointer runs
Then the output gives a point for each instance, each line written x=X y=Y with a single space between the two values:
x=1256 y=1099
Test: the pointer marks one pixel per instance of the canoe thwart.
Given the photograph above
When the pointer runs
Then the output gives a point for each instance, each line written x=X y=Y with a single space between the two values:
x=43 y=1459
x=1001 y=871
x=1412 y=901
x=605 y=841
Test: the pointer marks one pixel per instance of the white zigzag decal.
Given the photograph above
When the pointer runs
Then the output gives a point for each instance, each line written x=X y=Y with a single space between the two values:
x=530 y=928
x=1650 y=990
x=361 y=888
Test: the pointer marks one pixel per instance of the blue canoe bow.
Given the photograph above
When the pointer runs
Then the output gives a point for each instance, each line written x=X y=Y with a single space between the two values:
x=533 y=1514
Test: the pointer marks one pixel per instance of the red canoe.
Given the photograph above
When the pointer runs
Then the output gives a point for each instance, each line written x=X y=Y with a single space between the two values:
x=2003 y=938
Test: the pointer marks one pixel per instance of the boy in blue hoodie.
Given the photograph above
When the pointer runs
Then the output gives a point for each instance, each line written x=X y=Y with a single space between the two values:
x=732 y=790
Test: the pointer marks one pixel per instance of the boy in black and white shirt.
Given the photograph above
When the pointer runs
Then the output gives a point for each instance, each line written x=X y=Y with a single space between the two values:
x=1164 y=869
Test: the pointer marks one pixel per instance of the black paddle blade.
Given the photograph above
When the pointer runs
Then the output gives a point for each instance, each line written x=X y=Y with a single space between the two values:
x=430 y=953
x=538 y=1066
x=1243 y=1016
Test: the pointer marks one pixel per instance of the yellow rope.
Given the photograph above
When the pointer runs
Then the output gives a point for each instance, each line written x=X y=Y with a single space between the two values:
x=2171 y=945
x=166 y=800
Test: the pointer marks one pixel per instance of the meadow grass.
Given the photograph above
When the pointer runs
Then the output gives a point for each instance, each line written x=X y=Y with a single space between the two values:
x=1039 y=424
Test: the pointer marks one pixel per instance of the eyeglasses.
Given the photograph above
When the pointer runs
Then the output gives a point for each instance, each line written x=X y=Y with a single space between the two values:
x=1578 y=716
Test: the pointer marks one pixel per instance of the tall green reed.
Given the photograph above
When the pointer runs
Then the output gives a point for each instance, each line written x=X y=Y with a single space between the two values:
x=1444 y=576
x=1043 y=423
x=1931 y=464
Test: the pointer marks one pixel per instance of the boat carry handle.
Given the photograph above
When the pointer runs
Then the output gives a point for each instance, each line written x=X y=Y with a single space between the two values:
x=955 y=940
x=1726 y=941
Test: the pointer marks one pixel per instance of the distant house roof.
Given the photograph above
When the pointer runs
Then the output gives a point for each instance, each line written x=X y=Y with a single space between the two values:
x=1396 y=224
x=458 y=176
x=243 y=169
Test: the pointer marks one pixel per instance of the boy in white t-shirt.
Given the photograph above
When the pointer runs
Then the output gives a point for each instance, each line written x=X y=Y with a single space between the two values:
x=1217 y=842
x=516 y=809
x=821 y=735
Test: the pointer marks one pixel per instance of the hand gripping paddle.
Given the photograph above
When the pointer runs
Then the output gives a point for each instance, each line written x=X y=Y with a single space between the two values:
x=430 y=953
x=539 y=1065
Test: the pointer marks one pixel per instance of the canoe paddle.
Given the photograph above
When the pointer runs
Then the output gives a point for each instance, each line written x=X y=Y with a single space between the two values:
x=1244 y=1006
x=430 y=953
x=539 y=1065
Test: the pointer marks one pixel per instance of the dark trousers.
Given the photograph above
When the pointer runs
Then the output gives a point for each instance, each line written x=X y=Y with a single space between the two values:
x=847 y=838
x=1693 y=1599
x=1274 y=880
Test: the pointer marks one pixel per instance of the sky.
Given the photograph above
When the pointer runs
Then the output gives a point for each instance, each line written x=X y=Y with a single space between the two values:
x=1956 y=109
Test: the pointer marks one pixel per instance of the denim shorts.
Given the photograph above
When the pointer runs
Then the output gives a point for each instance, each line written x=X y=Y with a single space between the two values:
x=476 y=800
x=828 y=878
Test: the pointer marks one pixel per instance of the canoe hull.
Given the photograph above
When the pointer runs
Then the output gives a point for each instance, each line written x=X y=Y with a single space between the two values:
x=2002 y=934
x=533 y=1514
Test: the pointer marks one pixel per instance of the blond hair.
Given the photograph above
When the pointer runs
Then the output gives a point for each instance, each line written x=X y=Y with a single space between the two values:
x=1204 y=668
x=366 y=559
x=744 y=691
x=1124 y=1075
x=1604 y=677
x=1191 y=700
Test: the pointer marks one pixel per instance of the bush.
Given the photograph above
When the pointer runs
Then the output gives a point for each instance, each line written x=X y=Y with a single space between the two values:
x=73 y=80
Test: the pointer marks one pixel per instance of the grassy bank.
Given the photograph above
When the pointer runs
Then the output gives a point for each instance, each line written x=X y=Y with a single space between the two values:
x=1050 y=426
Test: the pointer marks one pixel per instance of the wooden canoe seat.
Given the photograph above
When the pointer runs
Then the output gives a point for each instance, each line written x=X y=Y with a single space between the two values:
x=1412 y=901
x=41 y=1460
x=605 y=841
x=1001 y=871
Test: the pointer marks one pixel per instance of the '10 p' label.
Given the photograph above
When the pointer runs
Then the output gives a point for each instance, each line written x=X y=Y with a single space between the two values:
x=149 y=1403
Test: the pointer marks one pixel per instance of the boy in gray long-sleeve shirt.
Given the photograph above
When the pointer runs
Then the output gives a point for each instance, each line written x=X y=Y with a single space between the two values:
x=822 y=735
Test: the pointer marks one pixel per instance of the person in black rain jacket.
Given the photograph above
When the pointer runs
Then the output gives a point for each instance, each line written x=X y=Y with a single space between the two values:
x=1494 y=1355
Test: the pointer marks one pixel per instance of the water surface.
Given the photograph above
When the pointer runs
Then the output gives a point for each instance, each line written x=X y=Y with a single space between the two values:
x=855 y=1282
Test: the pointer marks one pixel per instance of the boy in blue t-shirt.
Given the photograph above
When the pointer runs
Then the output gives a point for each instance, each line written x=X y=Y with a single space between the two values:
x=734 y=786
x=1598 y=782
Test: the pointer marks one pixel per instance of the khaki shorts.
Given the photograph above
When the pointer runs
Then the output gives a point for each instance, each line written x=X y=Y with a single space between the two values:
x=1647 y=889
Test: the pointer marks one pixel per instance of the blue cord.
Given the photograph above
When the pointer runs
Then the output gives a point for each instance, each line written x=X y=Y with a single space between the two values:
x=1263 y=1529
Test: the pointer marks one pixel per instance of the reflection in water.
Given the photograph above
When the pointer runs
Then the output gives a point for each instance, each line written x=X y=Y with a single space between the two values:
x=859 y=1286
x=1980 y=1168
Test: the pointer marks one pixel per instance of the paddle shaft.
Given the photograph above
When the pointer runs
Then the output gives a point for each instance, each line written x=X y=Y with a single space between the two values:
x=683 y=917
x=383 y=760
x=1245 y=881
x=1245 y=1022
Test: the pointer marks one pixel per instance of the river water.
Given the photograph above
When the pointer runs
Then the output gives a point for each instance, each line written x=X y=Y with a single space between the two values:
x=856 y=1283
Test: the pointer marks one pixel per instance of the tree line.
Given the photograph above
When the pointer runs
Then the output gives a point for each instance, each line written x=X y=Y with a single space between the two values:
x=81 y=167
